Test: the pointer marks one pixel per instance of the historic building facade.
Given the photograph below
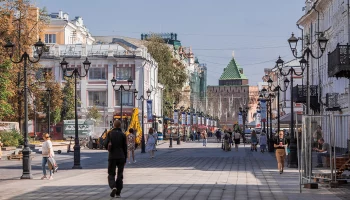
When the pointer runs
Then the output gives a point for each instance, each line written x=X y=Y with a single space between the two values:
x=225 y=99
x=334 y=23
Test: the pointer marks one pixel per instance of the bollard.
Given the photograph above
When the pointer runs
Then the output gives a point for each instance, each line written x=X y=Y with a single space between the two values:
x=178 y=140
x=171 y=142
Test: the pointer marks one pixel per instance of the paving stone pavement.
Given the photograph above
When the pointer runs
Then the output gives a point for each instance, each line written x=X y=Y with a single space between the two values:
x=186 y=171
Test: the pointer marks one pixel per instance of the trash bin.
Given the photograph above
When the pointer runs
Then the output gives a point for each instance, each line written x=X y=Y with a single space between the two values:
x=160 y=136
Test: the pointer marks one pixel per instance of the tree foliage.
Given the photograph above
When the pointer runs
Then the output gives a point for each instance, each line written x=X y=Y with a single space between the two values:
x=67 y=111
x=22 y=23
x=6 y=92
x=171 y=71
x=94 y=114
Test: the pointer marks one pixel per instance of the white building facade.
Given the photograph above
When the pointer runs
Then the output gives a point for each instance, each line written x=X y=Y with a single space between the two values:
x=334 y=22
x=108 y=61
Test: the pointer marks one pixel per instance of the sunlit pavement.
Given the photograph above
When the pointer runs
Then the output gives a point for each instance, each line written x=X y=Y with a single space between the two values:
x=186 y=171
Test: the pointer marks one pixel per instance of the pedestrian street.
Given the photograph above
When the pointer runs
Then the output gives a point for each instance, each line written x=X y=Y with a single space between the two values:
x=186 y=171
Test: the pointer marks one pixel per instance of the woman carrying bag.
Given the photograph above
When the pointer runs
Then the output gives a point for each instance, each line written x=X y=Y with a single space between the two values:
x=47 y=152
x=281 y=144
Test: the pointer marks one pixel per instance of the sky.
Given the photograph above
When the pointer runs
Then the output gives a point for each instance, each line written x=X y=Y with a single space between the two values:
x=256 y=30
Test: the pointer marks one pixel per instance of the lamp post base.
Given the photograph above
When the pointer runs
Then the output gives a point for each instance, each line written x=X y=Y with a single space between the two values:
x=77 y=157
x=143 y=146
x=27 y=167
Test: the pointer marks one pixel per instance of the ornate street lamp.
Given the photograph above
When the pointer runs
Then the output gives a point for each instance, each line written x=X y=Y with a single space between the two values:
x=307 y=51
x=70 y=74
x=278 y=89
x=293 y=161
x=121 y=89
x=48 y=90
x=142 y=98
x=25 y=58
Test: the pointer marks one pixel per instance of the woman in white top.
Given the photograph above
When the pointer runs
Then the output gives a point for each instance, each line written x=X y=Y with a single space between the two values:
x=47 y=152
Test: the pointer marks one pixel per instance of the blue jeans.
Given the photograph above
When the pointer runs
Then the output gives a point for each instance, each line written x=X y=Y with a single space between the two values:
x=320 y=156
x=204 y=142
x=43 y=165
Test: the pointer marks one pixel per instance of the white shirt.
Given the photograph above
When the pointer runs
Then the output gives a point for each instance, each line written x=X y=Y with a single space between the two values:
x=47 y=145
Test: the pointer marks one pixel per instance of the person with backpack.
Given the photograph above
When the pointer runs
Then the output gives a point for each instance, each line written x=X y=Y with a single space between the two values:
x=237 y=139
x=227 y=141
x=151 y=143
x=117 y=154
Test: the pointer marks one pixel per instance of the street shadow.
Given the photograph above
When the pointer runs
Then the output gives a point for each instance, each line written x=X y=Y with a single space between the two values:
x=164 y=191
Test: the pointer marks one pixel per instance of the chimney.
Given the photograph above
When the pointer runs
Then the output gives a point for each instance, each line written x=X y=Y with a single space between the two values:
x=60 y=14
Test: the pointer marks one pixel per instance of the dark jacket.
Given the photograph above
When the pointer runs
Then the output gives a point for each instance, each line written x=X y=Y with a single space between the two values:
x=119 y=146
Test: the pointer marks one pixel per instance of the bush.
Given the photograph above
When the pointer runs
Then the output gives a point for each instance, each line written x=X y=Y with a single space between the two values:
x=11 y=138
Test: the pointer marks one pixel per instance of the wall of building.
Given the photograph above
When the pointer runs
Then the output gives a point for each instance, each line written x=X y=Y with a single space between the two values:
x=97 y=86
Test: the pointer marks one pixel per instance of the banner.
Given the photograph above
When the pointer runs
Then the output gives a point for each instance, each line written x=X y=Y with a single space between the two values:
x=263 y=110
x=203 y=120
x=208 y=122
x=189 y=119
x=258 y=120
x=176 y=117
x=215 y=123
x=199 y=120
x=194 y=119
x=240 y=119
x=183 y=118
x=149 y=111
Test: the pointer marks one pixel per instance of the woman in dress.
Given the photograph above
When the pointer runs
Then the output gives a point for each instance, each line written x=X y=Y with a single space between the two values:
x=131 y=145
x=151 y=143
x=280 y=145
x=254 y=141
x=47 y=152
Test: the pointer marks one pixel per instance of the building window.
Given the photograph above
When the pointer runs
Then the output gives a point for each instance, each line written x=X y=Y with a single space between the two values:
x=42 y=72
x=128 y=98
x=123 y=73
x=97 y=98
x=97 y=74
x=50 y=38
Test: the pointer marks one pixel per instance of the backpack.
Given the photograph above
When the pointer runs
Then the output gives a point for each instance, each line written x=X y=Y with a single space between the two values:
x=226 y=137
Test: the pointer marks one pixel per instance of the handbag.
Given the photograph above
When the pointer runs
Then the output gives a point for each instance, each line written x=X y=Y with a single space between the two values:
x=287 y=150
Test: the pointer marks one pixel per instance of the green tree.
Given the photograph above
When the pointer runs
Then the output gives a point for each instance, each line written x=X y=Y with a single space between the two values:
x=67 y=111
x=171 y=71
x=94 y=114
x=22 y=23
x=6 y=92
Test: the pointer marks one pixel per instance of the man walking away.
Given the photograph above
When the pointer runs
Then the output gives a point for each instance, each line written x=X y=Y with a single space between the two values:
x=117 y=154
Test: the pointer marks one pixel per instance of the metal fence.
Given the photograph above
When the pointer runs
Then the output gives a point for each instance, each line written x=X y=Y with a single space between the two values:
x=324 y=167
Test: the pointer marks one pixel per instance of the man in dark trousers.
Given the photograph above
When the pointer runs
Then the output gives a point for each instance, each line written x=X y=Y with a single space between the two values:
x=117 y=155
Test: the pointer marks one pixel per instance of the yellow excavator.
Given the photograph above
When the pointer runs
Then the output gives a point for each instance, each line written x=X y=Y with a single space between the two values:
x=134 y=124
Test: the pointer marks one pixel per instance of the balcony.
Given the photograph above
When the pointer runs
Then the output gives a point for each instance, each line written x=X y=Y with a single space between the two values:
x=300 y=94
x=339 y=62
